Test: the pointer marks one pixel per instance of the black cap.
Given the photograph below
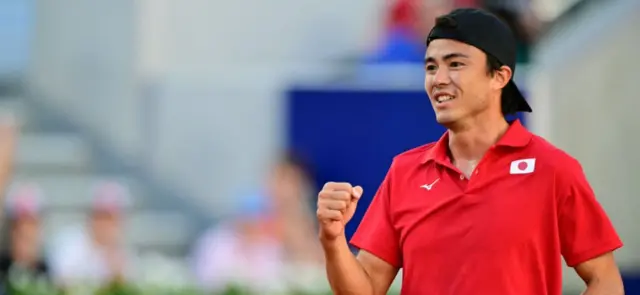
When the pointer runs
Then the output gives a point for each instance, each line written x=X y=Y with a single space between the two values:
x=488 y=33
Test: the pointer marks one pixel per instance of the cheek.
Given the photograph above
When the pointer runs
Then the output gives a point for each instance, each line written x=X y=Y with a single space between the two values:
x=428 y=83
x=459 y=80
x=469 y=85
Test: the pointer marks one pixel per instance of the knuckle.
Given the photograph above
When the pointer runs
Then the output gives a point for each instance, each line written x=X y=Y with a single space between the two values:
x=329 y=214
x=328 y=185
x=344 y=195
x=321 y=212
x=345 y=186
x=332 y=185
x=325 y=194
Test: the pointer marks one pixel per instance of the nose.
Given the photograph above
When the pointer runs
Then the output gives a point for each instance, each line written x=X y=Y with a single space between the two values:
x=441 y=77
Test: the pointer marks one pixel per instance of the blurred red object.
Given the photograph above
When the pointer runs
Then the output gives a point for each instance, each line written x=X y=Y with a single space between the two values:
x=466 y=3
x=403 y=13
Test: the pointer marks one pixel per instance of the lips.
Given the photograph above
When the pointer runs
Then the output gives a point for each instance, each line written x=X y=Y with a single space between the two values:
x=443 y=97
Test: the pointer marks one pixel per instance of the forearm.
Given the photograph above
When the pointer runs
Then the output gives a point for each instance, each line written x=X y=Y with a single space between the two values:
x=345 y=273
x=604 y=287
x=7 y=151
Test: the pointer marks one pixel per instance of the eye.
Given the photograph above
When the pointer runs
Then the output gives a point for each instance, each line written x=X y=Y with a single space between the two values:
x=431 y=67
x=456 y=64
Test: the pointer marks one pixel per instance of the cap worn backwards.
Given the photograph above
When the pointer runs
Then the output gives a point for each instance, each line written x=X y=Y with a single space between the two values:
x=488 y=33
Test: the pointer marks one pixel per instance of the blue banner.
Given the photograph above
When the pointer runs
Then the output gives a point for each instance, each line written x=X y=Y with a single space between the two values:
x=352 y=136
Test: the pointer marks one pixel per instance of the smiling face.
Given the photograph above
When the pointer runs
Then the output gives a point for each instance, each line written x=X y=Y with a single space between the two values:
x=459 y=83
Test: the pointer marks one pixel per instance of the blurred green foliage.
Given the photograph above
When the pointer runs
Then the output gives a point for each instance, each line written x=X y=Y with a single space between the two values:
x=123 y=289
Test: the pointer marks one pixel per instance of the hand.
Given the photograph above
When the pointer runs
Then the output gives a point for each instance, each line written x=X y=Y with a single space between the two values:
x=336 y=205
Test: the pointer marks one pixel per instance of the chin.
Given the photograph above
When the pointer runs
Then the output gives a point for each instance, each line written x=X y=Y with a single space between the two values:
x=445 y=119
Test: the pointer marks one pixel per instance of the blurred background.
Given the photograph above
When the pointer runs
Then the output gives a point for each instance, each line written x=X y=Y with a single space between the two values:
x=176 y=147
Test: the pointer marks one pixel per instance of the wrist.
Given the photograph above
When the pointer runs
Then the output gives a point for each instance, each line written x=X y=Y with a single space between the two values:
x=333 y=244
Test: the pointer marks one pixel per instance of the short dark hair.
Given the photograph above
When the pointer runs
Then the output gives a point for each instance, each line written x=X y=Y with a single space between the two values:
x=446 y=21
x=493 y=64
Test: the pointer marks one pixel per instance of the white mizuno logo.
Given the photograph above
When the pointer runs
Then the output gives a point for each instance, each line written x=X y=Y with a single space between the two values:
x=429 y=186
x=523 y=166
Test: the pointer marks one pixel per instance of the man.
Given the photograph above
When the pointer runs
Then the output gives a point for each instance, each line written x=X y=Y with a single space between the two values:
x=489 y=208
x=22 y=262
x=270 y=234
x=96 y=253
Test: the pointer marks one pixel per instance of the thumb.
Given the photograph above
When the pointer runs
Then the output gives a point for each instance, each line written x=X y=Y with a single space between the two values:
x=356 y=193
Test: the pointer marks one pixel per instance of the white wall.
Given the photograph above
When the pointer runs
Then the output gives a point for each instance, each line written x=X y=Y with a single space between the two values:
x=83 y=63
x=548 y=10
x=584 y=93
x=216 y=70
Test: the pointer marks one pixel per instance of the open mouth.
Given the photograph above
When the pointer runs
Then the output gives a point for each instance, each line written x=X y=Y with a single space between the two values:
x=444 y=98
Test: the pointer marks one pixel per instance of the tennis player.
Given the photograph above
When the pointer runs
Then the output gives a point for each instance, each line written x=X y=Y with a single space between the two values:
x=490 y=208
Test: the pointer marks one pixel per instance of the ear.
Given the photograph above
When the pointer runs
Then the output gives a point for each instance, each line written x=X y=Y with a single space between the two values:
x=501 y=77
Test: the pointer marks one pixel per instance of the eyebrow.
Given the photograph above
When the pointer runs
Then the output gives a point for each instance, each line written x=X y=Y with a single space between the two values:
x=446 y=57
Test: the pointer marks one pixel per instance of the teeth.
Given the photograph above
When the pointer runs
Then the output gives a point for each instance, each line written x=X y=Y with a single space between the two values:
x=444 y=98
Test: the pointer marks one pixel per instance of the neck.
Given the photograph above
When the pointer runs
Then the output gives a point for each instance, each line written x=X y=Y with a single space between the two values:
x=470 y=140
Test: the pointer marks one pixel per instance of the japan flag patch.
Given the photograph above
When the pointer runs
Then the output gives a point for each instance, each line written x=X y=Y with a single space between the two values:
x=523 y=166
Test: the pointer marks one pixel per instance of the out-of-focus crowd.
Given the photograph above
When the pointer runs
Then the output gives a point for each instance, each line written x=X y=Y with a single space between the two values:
x=408 y=23
x=270 y=236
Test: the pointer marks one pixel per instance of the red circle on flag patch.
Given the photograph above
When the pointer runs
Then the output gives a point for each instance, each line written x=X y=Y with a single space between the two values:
x=522 y=165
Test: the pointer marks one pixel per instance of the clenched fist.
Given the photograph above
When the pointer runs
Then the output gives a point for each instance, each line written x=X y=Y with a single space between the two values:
x=336 y=204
